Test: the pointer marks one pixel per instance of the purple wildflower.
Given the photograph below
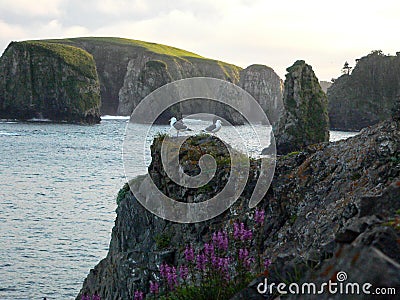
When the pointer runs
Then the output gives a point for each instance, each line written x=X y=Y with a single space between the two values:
x=220 y=240
x=248 y=261
x=164 y=270
x=259 y=216
x=189 y=253
x=223 y=263
x=183 y=272
x=138 y=295
x=243 y=254
x=247 y=235
x=154 y=287
x=208 y=249
x=214 y=260
x=201 y=261
x=172 y=278
x=241 y=233
x=267 y=263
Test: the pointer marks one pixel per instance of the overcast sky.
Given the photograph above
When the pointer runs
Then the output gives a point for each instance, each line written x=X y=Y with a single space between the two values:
x=243 y=32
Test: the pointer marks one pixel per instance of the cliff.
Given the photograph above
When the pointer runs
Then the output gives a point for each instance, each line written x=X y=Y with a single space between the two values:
x=367 y=95
x=130 y=69
x=51 y=81
x=266 y=87
x=305 y=120
x=331 y=207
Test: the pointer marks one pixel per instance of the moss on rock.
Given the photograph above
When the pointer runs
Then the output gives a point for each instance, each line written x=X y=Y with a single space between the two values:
x=52 y=81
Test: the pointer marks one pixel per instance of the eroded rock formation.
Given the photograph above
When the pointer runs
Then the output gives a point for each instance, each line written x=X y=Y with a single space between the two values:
x=305 y=119
x=266 y=87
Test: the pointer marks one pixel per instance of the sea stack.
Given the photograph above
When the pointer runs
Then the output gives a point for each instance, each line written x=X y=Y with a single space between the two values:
x=266 y=87
x=305 y=120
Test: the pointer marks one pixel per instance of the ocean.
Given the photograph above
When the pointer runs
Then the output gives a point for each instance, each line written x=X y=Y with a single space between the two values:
x=58 y=186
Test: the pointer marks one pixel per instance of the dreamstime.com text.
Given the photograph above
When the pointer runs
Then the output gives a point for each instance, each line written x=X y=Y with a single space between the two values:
x=340 y=287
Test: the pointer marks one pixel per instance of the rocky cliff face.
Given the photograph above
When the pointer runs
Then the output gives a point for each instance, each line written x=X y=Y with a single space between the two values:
x=367 y=95
x=266 y=87
x=331 y=207
x=305 y=120
x=124 y=69
x=128 y=70
x=56 y=82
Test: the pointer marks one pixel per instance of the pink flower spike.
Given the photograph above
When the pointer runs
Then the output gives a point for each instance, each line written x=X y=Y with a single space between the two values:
x=154 y=287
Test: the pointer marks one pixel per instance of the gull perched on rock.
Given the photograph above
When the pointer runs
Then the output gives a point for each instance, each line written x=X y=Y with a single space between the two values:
x=178 y=125
x=214 y=127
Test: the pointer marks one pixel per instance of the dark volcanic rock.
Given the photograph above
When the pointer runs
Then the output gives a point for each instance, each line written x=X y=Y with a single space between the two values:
x=305 y=120
x=315 y=195
x=56 y=82
x=367 y=95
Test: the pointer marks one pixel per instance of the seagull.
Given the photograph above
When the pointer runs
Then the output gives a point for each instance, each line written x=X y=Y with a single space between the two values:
x=214 y=127
x=178 y=125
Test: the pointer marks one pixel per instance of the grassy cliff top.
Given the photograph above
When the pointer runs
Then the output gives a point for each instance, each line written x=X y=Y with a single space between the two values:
x=146 y=46
x=152 y=47
x=77 y=58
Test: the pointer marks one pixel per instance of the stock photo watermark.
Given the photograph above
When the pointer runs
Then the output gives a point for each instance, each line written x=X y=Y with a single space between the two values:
x=339 y=287
x=147 y=112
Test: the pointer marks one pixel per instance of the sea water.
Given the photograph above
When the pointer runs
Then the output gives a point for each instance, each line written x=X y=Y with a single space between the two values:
x=58 y=184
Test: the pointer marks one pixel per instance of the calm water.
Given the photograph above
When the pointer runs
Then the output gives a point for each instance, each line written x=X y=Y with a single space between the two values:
x=58 y=184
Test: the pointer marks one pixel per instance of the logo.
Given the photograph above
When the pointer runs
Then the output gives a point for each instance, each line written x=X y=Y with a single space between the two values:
x=140 y=131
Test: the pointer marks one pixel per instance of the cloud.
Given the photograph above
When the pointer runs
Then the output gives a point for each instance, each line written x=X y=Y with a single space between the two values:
x=31 y=8
x=242 y=32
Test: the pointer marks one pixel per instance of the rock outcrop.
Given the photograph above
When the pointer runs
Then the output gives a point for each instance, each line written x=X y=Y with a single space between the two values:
x=305 y=119
x=48 y=81
x=128 y=70
x=331 y=207
x=367 y=95
x=266 y=87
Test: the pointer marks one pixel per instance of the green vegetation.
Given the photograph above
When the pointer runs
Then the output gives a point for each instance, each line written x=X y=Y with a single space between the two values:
x=78 y=59
x=122 y=193
x=294 y=153
x=394 y=221
x=162 y=241
x=152 y=47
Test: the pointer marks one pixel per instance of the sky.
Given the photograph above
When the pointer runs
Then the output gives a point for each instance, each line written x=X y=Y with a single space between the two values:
x=275 y=33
